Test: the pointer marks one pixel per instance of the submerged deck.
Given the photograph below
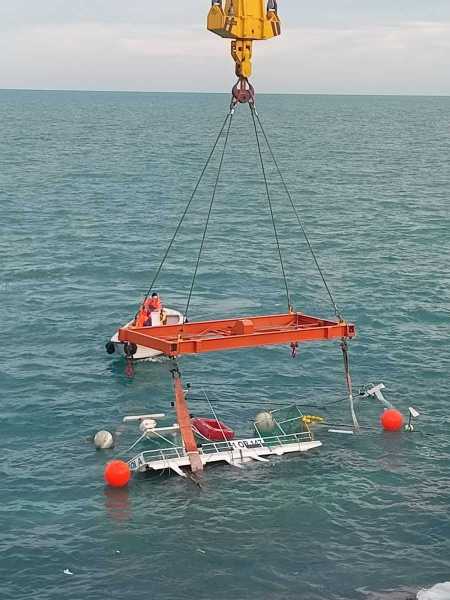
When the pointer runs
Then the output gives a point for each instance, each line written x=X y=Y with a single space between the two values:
x=227 y=334
x=234 y=452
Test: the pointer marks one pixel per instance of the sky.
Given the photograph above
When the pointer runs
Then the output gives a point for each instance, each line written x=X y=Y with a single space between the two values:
x=327 y=46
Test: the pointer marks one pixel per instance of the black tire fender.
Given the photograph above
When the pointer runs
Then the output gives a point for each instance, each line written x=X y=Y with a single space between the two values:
x=130 y=349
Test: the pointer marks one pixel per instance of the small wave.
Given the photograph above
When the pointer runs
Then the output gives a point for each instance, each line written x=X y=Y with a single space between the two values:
x=440 y=591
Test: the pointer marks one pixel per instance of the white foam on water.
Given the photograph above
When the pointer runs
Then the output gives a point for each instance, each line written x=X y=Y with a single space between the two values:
x=440 y=591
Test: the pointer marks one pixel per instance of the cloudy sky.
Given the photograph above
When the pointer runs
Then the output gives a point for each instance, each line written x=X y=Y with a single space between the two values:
x=327 y=46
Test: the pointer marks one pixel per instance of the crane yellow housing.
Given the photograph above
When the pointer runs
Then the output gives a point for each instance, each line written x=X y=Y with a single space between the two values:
x=244 y=21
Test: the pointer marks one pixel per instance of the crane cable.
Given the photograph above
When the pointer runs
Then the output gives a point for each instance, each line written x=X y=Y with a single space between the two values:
x=180 y=222
x=256 y=119
x=344 y=344
x=283 y=271
x=213 y=196
x=280 y=255
x=313 y=254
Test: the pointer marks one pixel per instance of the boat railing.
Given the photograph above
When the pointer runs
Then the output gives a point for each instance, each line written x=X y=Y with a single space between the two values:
x=287 y=438
x=175 y=452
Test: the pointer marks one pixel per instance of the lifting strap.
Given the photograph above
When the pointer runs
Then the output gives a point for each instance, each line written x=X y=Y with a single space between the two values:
x=344 y=347
x=186 y=210
x=294 y=209
x=259 y=129
x=272 y=216
x=208 y=217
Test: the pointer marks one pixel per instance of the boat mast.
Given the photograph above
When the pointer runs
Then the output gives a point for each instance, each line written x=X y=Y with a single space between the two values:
x=184 y=421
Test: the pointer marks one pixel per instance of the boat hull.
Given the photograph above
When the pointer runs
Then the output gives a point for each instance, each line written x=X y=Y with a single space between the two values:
x=233 y=452
x=174 y=317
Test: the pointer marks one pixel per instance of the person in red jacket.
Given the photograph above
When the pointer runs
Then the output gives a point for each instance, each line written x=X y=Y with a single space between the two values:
x=150 y=305
x=141 y=317
x=153 y=303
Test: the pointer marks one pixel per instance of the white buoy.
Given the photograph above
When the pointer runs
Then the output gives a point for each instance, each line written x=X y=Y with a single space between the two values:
x=103 y=440
x=264 y=422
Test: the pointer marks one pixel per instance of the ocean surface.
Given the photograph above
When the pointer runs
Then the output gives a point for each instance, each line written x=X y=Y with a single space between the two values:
x=91 y=188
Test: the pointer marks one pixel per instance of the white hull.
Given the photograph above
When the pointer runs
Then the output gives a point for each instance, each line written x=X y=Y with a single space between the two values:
x=234 y=452
x=174 y=317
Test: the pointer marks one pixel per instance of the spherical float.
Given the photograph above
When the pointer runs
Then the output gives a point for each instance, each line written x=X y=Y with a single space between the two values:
x=264 y=421
x=392 y=420
x=117 y=473
x=103 y=439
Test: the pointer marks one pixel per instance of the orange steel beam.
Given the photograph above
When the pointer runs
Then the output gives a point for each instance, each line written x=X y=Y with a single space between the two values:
x=228 y=334
x=184 y=421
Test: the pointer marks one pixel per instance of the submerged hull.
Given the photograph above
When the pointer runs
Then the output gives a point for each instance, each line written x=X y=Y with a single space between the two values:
x=233 y=452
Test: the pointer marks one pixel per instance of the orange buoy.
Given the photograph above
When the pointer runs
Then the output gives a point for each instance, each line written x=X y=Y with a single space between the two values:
x=391 y=420
x=117 y=473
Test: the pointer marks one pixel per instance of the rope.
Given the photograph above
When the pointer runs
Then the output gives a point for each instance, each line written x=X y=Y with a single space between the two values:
x=252 y=112
x=336 y=310
x=219 y=423
x=209 y=212
x=258 y=403
x=344 y=347
x=180 y=222
x=215 y=416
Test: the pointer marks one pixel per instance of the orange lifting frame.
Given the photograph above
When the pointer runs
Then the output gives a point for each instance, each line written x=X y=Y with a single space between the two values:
x=228 y=334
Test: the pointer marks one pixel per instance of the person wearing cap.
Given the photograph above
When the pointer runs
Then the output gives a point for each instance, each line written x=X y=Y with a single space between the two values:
x=153 y=303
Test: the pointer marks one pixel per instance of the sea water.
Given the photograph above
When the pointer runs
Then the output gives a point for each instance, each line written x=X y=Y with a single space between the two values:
x=92 y=186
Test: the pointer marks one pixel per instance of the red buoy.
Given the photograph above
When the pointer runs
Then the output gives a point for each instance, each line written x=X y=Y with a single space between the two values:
x=117 y=473
x=391 y=420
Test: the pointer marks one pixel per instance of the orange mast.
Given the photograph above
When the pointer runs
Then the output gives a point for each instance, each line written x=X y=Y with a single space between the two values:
x=184 y=421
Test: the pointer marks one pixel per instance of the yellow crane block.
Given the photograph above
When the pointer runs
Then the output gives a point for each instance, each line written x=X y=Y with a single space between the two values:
x=244 y=21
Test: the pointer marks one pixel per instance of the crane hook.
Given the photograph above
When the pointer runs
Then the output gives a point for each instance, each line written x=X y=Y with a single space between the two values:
x=242 y=92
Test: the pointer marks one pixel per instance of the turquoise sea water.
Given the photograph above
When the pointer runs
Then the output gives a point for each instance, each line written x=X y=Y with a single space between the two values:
x=91 y=188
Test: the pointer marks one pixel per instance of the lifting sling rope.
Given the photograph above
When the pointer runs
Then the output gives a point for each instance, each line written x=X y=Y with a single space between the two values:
x=344 y=343
x=228 y=120
x=226 y=126
x=208 y=217
x=186 y=210
x=256 y=120
x=275 y=231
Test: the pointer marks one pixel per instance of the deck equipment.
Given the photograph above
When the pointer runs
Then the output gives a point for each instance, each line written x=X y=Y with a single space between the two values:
x=212 y=430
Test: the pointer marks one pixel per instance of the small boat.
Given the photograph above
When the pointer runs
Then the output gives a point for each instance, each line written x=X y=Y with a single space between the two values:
x=115 y=346
x=275 y=433
x=212 y=429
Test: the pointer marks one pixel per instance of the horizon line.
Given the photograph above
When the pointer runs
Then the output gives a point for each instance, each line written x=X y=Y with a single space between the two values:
x=107 y=91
